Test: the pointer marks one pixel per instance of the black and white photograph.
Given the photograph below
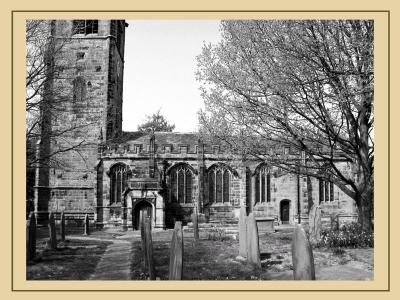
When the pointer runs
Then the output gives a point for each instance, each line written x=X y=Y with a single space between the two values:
x=200 y=149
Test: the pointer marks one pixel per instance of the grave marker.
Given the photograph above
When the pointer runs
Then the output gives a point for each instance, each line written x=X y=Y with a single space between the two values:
x=242 y=232
x=31 y=245
x=176 y=253
x=195 y=224
x=315 y=224
x=149 y=249
x=253 y=250
x=302 y=256
x=62 y=227
x=52 y=232
x=87 y=225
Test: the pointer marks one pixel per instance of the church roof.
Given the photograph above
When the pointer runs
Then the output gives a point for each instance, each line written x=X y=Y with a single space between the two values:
x=165 y=138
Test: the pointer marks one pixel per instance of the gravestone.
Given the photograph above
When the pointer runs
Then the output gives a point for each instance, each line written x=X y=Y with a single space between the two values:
x=62 y=227
x=242 y=232
x=195 y=224
x=149 y=248
x=302 y=256
x=334 y=221
x=315 y=224
x=142 y=218
x=253 y=250
x=52 y=232
x=87 y=225
x=31 y=245
x=176 y=253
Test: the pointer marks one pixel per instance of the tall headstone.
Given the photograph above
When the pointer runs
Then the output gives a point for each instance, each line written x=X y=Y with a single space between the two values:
x=315 y=224
x=149 y=249
x=242 y=232
x=87 y=225
x=302 y=256
x=142 y=218
x=52 y=232
x=62 y=227
x=195 y=223
x=176 y=253
x=31 y=243
x=253 y=250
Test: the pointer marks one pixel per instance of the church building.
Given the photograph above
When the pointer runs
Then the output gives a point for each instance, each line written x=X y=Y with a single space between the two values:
x=114 y=175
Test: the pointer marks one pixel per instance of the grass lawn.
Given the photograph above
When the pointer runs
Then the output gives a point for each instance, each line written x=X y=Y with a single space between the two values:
x=75 y=259
x=217 y=260
x=206 y=259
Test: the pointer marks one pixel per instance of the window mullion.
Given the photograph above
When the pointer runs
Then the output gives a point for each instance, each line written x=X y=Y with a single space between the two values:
x=184 y=186
x=222 y=186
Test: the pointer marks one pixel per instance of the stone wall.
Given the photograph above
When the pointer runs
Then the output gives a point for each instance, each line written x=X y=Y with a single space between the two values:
x=89 y=79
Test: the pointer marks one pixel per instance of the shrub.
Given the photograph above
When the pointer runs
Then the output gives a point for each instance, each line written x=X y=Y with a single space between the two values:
x=217 y=234
x=350 y=235
x=338 y=251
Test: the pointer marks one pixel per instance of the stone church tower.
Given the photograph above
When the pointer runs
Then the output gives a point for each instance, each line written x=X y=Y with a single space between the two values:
x=82 y=108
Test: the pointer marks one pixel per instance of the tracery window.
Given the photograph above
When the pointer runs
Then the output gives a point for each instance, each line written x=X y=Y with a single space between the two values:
x=263 y=185
x=326 y=191
x=118 y=176
x=85 y=26
x=219 y=179
x=181 y=181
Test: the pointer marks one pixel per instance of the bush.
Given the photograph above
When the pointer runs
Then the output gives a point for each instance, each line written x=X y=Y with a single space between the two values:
x=350 y=235
x=338 y=251
x=217 y=234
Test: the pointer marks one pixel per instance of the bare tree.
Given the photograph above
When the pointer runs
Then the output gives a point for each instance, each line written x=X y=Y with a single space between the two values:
x=48 y=96
x=307 y=86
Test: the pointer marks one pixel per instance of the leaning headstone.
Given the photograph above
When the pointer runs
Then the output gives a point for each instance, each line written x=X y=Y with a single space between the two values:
x=31 y=245
x=302 y=256
x=62 y=227
x=195 y=224
x=253 y=250
x=149 y=249
x=87 y=225
x=315 y=224
x=242 y=232
x=52 y=232
x=176 y=253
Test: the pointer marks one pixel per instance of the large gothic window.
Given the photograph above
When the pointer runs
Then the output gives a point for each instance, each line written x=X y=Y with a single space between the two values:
x=263 y=185
x=181 y=181
x=118 y=175
x=219 y=179
x=326 y=191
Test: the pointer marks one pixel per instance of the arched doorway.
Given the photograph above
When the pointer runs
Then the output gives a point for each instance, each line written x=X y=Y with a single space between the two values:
x=285 y=211
x=141 y=206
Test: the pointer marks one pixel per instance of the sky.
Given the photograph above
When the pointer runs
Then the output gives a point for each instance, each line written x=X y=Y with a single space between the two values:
x=159 y=72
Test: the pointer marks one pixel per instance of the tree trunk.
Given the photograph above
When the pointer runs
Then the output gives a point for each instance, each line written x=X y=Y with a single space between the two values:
x=309 y=193
x=364 y=205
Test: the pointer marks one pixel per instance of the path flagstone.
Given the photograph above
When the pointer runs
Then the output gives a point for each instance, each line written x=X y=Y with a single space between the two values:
x=115 y=263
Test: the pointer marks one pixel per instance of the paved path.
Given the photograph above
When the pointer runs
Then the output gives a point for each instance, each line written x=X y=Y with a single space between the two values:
x=115 y=263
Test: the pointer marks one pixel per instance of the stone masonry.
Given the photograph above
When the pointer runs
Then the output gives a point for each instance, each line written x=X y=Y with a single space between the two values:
x=115 y=174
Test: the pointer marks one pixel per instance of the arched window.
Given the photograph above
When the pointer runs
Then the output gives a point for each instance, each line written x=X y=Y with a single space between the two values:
x=181 y=184
x=219 y=179
x=326 y=191
x=118 y=174
x=263 y=185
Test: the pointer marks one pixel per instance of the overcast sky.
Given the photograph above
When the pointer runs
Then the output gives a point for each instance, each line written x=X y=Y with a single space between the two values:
x=160 y=65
